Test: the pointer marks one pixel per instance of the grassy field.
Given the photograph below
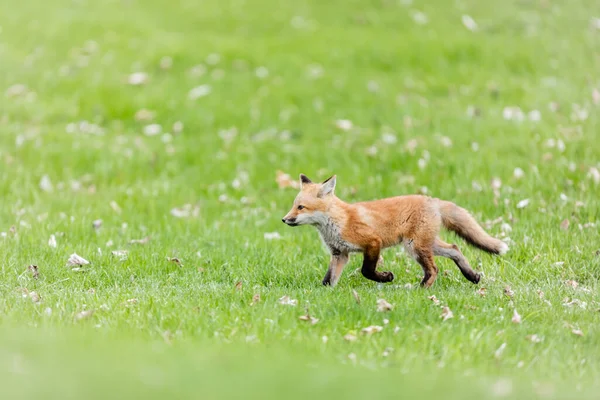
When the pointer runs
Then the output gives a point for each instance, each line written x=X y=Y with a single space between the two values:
x=147 y=136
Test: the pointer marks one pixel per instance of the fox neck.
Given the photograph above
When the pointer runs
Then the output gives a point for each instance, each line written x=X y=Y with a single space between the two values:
x=330 y=225
x=333 y=215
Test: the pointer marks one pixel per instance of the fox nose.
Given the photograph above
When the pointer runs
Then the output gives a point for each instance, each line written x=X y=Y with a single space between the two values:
x=283 y=220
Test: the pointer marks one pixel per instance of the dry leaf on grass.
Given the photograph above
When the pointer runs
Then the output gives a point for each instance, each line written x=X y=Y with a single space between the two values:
x=481 y=291
x=383 y=306
x=185 y=211
x=350 y=337
x=285 y=180
x=144 y=115
x=308 y=318
x=34 y=271
x=533 y=338
x=572 y=283
x=564 y=225
x=174 y=260
x=434 y=299
x=255 y=299
x=35 y=298
x=286 y=300
x=84 y=314
x=238 y=285
x=369 y=330
x=516 y=319
x=75 y=259
x=140 y=241
x=508 y=291
x=446 y=313
x=356 y=296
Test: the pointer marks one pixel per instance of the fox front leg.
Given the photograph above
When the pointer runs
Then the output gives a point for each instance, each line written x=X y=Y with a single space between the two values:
x=336 y=266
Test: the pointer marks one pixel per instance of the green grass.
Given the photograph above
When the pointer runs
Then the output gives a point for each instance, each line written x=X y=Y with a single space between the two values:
x=191 y=332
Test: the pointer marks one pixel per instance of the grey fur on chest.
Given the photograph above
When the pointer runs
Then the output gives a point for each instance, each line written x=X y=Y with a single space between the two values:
x=332 y=238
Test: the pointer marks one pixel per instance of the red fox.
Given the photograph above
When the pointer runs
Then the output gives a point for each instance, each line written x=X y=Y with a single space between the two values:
x=371 y=226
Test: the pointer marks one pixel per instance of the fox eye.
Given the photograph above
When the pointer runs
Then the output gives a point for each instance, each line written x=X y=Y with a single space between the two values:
x=300 y=207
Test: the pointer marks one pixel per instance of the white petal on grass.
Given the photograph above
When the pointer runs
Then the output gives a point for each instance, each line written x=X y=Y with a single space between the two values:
x=502 y=388
x=523 y=203
x=500 y=350
x=344 y=124
x=120 y=254
x=496 y=183
x=533 y=338
x=84 y=314
x=46 y=184
x=199 y=91
x=469 y=23
x=577 y=332
x=75 y=259
x=166 y=62
x=389 y=138
x=52 y=241
x=261 y=72
x=115 y=207
x=594 y=174
x=518 y=173
x=137 y=78
x=272 y=235
x=420 y=17
x=152 y=130
x=535 y=115
x=16 y=90
x=177 y=127
x=287 y=301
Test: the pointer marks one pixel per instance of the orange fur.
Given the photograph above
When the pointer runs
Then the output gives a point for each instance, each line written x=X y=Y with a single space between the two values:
x=371 y=226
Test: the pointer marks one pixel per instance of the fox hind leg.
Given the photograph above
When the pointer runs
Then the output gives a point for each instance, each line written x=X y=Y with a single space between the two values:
x=422 y=252
x=451 y=251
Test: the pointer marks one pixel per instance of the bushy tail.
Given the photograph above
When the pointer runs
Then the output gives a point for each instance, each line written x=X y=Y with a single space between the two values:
x=458 y=220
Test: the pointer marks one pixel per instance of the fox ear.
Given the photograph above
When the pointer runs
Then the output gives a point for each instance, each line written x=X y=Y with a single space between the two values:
x=327 y=186
x=304 y=180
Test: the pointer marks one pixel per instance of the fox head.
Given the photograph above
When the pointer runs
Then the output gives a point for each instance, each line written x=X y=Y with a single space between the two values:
x=311 y=204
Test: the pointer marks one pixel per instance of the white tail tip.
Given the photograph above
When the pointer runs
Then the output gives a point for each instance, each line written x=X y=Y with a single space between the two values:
x=503 y=249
